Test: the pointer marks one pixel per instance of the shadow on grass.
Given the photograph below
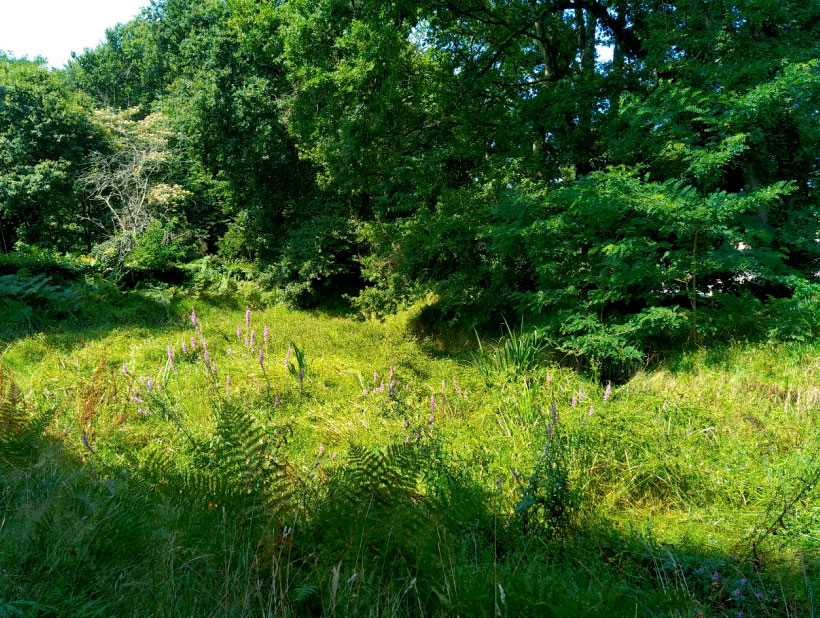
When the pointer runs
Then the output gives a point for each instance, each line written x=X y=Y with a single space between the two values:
x=394 y=532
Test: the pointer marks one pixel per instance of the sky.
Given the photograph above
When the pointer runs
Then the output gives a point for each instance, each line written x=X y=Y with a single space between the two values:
x=54 y=28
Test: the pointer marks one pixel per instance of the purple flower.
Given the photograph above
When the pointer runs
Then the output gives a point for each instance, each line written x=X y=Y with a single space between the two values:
x=743 y=581
x=433 y=402
x=591 y=410
x=457 y=387
x=85 y=442
x=715 y=576
x=265 y=334
x=554 y=411
x=125 y=370
x=608 y=391
x=143 y=411
x=574 y=401
x=136 y=399
x=185 y=348
x=253 y=339
x=301 y=377
x=333 y=456
x=392 y=372
x=276 y=401
x=171 y=356
x=193 y=318
x=736 y=592
x=193 y=343
x=248 y=317
x=759 y=596
x=239 y=332
x=261 y=358
x=229 y=352
x=150 y=383
x=375 y=377
x=206 y=355
x=431 y=419
x=549 y=430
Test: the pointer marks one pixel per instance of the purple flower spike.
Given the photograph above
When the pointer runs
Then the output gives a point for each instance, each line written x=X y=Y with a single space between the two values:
x=143 y=411
x=301 y=377
x=185 y=348
x=248 y=317
x=433 y=402
x=591 y=410
x=549 y=430
x=715 y=576
x=276 y=401
x=574 y=401
x=265 y=334
x=261 y=358
x=736 y=592
x=759 y=596
x=229 y=352
x=431 y=419
x=193 y=343
x=457 y=387
x=333 y=456
x=171 y=356
x=206 y=355
x=193 y=318
x=150 y=383
x=743 y=581
x=125 y=370
x=253 y=339
x=375 y=377
x=239 y=332
x=554 y=411
x=608 y=391
x=86 y=443
x=136 y=399
x=392 y=373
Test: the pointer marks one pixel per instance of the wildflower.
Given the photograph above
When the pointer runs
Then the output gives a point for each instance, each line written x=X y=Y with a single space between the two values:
x=744 y=581
x=736 y=592
x=86 y=444
x=248 y=318
x=433 y=402
x=253 y=339
x=150 y=383
x=549 y=379
x=554 y=411
x=591 y=410
x=333 y=456
x=407 y=440
x=276 y=401
x=431 y=419
x=375 y=377
x=143 y=411
x=229 y=352
x=265 y=334
x=193 y=319
x=287 y=358
x=549 y=430
x=193 y=343
x=206 y=355
x=239 y=333
x=125 y=370
x=574 y=401
x=608 y=391
x=392 y=372
x=321 y=449
x=171 y=357
x=715 y=576
x=457 y=387
x=136 y=399
x=759 y=596
x=185 y=348
x=301 y=378
x=261 y=358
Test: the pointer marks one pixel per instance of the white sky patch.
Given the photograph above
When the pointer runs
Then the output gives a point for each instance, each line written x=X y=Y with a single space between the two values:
x=54 y=28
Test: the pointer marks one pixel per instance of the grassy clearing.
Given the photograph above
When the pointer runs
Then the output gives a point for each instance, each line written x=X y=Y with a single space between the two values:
x=442 y=486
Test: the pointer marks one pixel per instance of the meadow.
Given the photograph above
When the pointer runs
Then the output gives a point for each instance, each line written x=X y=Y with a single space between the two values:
x=178 y=456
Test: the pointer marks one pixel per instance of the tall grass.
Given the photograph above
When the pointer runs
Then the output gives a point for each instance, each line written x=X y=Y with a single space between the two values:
x=157 y=487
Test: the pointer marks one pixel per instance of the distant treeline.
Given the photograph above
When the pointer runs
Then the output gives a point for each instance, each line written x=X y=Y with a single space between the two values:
x=621 y=173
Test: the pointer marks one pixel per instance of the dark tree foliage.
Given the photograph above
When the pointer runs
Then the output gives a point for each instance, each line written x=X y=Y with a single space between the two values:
x=620 y=172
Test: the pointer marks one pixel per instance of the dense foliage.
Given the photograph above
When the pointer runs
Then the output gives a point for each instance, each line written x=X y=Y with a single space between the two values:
x=618 y=173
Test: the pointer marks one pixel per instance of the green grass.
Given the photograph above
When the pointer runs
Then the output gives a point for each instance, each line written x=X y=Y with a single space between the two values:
x=342 y=501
